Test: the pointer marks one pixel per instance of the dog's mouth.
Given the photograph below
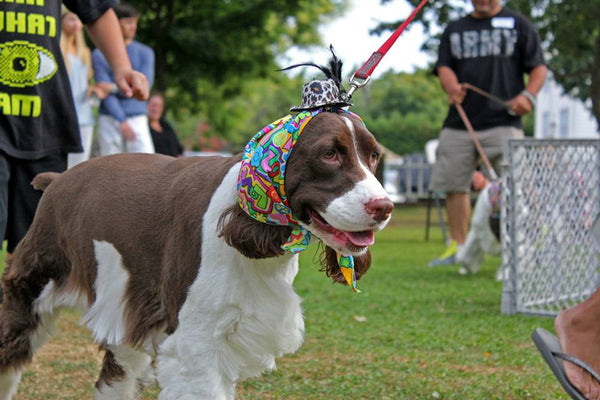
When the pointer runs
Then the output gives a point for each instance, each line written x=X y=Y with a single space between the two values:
x=354 y=241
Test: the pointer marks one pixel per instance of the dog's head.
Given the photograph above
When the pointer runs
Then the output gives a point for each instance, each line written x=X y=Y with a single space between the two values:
x=331 y=183
x=332 y=192
x=325 y=186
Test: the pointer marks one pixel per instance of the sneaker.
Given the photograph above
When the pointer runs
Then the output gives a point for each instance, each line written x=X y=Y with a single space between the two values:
x=447 y=258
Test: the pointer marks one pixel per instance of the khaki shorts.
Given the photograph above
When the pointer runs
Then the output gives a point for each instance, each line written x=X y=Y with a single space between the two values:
x=457 y=157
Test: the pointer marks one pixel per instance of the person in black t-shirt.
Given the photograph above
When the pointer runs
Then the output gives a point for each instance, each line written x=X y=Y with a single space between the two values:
x=38 y=123
x=163 y=135
x=492 y=48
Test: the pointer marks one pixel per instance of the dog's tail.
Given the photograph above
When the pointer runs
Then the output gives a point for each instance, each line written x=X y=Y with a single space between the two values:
x=41 y=181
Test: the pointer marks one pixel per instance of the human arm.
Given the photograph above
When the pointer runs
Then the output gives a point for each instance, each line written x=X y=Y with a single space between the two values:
x=443 y=69
x=147 y=64
x=454 y=89
x=104 y=79
x=103 y=75
x=534 y=64
x=100 y=89
x=106 y=34
x=522 y=104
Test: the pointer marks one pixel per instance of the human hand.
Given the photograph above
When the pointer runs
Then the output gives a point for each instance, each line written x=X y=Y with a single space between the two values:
x=132 y=83
x=520 y=105
x=456 y=93
x=127 y=131
x=100 y=90
x=479 y=181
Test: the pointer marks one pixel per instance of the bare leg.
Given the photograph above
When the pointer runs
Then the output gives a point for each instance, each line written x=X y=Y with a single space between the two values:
x=458 y=206
x=578 y=330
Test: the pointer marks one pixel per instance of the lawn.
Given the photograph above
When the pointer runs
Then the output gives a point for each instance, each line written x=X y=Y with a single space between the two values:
x=414 y=333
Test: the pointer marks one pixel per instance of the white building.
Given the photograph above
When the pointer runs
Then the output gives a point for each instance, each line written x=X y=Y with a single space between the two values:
x=559 y=116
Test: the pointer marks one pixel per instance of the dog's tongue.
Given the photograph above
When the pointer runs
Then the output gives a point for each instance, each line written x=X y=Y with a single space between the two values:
x=360 y=239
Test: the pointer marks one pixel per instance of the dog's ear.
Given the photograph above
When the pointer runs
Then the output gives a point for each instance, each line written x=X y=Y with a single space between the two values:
x=329 y=264
x=251 y=238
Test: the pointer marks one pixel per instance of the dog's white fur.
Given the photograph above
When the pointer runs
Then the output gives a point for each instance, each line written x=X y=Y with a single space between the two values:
x=344 y=211
x=220 y=324
x=480 y=239
x=106 y=317
x=238 y=316
x=226 y=327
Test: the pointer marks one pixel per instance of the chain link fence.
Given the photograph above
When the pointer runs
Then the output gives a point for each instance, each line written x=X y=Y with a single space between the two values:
x=550 y=199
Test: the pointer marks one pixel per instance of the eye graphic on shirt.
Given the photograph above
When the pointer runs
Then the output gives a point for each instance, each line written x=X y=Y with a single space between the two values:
x=25 y=64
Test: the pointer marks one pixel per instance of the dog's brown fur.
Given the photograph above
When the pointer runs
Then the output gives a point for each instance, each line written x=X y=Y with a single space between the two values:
x=151 y=209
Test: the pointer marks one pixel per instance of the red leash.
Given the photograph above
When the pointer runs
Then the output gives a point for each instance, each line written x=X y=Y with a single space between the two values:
x=362 y=76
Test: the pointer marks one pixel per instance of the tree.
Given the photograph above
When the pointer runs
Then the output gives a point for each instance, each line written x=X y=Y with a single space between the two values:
x=403 y=110
x=208 y=51
x=569 y=30
x=225 y=42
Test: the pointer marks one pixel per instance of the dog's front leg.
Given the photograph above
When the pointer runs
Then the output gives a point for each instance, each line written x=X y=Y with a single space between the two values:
x=193 y=363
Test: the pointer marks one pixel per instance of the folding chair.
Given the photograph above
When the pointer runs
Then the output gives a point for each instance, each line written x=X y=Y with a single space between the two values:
x=434 y=196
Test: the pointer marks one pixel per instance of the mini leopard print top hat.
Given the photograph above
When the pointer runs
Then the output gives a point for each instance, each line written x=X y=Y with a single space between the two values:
x=321 y=94
x=327 y=94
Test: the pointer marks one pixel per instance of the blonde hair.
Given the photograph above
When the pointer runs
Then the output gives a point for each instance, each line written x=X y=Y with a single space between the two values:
x=81 y=49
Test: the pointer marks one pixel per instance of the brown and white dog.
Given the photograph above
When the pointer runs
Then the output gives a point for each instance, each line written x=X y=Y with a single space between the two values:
x=168 y=268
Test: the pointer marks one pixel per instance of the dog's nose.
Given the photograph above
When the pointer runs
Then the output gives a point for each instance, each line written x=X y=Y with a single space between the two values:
x=379 y=209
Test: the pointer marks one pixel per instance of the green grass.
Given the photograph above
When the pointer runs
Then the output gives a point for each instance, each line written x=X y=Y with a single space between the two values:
x=426 y=333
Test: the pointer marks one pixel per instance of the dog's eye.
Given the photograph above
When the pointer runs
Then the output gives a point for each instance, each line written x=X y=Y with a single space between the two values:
x=329 y=154
x=375 y=156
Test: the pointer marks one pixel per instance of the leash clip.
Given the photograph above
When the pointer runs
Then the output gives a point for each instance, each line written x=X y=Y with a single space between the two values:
x=356 y=83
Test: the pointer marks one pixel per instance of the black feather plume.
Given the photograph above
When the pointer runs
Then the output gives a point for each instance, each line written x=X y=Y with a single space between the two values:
x=332 y=71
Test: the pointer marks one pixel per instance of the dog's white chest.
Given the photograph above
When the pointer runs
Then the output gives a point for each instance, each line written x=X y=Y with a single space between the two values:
x=239 y=315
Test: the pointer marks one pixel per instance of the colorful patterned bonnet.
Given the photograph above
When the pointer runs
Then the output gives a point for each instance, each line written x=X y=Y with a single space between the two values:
x=261 y=182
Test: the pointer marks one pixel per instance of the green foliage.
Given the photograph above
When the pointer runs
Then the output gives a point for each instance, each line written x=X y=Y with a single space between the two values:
x=403 y=110
x=225 y=42
x=571 y=33
x=237 y=117
x=208 y=53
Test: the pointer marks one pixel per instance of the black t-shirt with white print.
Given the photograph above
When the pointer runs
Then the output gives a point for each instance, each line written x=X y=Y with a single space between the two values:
x=492 y=54
x=37 y=115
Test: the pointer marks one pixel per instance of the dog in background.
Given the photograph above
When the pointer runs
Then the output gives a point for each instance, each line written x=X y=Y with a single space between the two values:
x=484 y=231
